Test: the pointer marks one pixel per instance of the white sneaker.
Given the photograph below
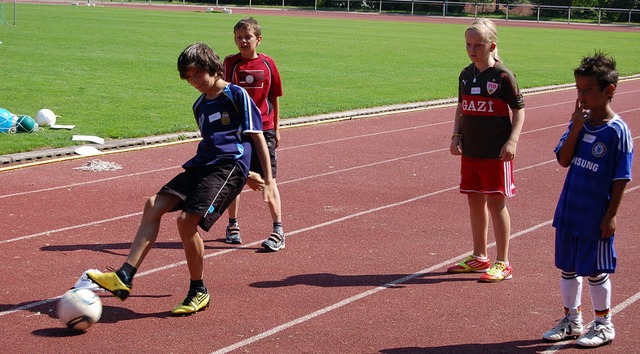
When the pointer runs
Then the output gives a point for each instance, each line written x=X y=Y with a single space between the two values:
x=564 y=329
x=597 y=335
x=85 y=283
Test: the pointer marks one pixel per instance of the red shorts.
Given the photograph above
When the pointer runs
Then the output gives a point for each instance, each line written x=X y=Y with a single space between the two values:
x=486 y=176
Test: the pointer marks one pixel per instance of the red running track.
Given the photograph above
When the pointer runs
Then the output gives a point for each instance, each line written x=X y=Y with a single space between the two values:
x=373 y=217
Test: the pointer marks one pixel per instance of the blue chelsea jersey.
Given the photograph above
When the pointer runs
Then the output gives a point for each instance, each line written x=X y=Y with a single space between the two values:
x=225 y=123
x=603 y=154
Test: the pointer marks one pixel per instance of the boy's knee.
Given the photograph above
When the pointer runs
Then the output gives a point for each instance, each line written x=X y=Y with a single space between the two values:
x=159 y=204
x=187 y=222
x=151 y=207
x=597 y=279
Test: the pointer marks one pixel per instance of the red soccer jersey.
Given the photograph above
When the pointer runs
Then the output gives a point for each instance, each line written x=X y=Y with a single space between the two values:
x=261 y=79
x=486 y=98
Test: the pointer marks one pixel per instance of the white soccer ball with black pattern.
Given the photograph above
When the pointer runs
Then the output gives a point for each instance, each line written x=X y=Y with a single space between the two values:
x=78 y=309
x=45 y=117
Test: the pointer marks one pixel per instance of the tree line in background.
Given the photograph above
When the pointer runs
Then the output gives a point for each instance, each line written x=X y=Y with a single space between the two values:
x=590 y=7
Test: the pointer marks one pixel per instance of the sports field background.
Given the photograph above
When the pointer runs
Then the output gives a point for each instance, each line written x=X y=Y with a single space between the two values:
x=111 y=71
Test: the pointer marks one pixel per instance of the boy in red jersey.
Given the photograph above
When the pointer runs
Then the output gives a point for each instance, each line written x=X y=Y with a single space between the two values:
x=257 y=73
x=486 y=137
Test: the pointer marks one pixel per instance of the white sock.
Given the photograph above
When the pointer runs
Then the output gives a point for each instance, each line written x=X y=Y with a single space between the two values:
x=571 y=289
x=600 y=290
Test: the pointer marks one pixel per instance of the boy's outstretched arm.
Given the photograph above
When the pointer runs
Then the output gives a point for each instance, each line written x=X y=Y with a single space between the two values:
x=608 y=223
x=262 y=152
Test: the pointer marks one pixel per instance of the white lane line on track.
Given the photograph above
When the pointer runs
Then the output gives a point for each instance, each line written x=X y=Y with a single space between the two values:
x=87 y=183
x=297 y=147
x=317 y=226
x=31 y=305
x=564 y=124
x=343 y=302
x=364 y=294
x=219 y=253
x=79 y=226
x=47 y=233
x=416 y=127
x=178 y=166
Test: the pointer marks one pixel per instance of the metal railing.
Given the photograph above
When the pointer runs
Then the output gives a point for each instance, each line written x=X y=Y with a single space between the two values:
x=439 y=8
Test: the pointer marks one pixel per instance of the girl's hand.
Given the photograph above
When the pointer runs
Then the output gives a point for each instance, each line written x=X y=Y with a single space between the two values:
x=456 y=146
x=508 y=151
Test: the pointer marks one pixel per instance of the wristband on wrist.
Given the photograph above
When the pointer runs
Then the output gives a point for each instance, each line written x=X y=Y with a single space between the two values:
x=456 y=135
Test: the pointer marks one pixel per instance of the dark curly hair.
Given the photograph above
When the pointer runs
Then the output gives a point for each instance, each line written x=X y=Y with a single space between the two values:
x=600 y=66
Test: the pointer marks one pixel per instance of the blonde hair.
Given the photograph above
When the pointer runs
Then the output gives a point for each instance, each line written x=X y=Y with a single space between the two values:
x=487 y=29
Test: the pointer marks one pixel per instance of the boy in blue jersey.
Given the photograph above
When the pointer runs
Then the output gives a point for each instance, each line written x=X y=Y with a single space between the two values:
x=598 y=149
x=229 y=123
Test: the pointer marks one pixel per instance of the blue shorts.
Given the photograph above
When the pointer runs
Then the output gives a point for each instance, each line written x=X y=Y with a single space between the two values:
x=585 y=256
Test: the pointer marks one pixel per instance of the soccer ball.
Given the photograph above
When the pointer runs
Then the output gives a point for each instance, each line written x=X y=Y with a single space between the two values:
x=78 y=309
x=26 y=124
x=45 y=117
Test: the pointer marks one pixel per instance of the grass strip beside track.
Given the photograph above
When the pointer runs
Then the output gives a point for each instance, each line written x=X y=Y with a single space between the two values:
x=111 y=71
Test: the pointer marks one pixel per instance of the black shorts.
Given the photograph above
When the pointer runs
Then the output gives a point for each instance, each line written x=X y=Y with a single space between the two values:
x=206 y=190
x=270 y=137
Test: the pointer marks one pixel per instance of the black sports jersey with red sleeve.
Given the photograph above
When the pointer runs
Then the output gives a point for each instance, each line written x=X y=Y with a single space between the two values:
x=486 y=98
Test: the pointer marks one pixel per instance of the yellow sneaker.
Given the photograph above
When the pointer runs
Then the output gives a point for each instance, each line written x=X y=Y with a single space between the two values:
x=499 y=271
x=110 y=282
x=470 y=264
x=194 y=302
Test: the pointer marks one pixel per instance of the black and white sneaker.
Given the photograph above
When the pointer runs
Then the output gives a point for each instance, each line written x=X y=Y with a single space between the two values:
x=564 y=329
x=233 y=235
x=597 y=335
x=275 y=242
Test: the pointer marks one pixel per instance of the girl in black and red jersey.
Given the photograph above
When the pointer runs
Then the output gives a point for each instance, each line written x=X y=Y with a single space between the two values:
x=486 y=136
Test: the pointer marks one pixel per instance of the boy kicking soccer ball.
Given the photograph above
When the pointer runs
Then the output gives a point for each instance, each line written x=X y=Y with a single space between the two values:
x=230 y=124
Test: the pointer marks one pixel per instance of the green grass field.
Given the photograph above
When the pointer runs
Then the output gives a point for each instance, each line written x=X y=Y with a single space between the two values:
x=112 y=72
